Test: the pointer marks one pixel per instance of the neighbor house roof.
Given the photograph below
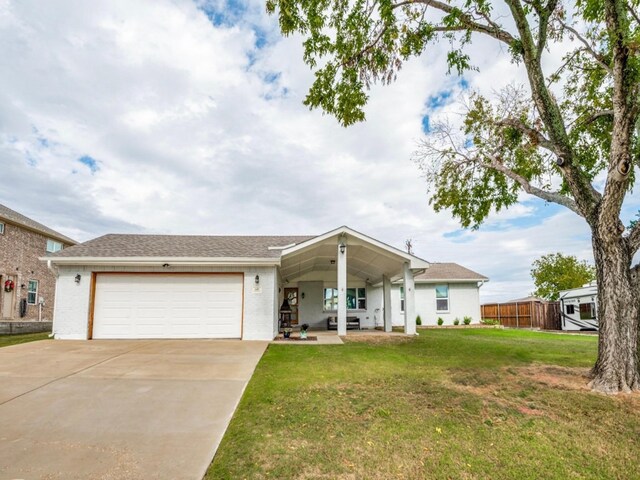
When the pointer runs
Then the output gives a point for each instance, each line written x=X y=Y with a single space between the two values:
x=11 y=216
x=449 y=272
x=181 y=246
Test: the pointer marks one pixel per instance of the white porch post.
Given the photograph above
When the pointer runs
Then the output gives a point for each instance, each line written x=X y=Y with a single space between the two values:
x=409 y=301
x=386 y=287
x=342 y=287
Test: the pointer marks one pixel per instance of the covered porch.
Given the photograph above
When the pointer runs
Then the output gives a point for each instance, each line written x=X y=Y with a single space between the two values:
x=342 y=280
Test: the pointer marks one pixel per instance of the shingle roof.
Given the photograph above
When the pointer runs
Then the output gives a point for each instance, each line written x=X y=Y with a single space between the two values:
x=449 y=271
x=181 y=246
x=11 y=216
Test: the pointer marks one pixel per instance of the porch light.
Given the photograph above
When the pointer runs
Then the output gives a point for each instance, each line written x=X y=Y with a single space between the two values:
x=78 y=278
x=257 y=279
x=342 y=247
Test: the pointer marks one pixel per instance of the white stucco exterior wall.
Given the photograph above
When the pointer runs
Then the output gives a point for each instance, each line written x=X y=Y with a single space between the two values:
x=71 y=314
x=464 y=300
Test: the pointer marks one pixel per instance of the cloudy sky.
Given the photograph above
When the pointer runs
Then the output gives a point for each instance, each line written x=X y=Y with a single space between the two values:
x=186 y=117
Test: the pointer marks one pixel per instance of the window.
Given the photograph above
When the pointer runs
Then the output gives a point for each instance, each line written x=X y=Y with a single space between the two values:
x=32 y=292
x=442 y=298
x=330 y=299
x=1 y=228
x=53 y=246
x=587 y=311
x=402 y=299
x=356 y=299
x=571 y=309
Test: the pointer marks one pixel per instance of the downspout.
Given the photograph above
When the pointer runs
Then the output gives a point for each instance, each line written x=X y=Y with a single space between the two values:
x=53 y=269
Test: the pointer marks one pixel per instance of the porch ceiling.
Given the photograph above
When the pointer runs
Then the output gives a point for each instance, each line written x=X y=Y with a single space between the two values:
x=364 y=260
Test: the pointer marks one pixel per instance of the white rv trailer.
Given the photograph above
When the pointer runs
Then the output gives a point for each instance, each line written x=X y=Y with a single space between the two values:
x=579 y=308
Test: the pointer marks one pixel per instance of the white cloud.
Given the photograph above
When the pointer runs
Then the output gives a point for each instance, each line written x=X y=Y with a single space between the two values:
x=198 y=131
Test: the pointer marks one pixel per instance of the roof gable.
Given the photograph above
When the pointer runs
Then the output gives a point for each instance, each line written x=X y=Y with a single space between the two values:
x=15 y=218
x=449 y=271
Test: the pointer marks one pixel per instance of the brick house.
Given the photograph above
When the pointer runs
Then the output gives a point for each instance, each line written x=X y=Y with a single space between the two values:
x=25 y=281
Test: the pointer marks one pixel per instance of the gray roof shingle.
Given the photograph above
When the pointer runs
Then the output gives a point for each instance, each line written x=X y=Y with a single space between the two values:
x=11 y=216
x=449 y=271
x=181 y=246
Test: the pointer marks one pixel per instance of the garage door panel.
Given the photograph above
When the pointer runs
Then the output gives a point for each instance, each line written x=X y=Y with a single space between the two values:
x=168 y=306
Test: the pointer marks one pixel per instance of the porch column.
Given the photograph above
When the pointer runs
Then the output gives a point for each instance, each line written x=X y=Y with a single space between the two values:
x=342 y=287
x=409 y=302
x=386 y=288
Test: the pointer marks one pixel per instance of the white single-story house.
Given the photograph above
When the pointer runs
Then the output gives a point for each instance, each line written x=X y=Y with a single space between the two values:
x=172 y=286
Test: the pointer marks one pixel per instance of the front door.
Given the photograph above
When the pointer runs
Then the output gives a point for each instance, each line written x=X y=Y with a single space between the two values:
x=291 y=294
x=7 y=298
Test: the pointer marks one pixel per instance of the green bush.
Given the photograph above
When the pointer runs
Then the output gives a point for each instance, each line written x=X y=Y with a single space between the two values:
x=418 y=320
x=467 y=320
x=489 y=321
x=440 y=321
x=456 y=321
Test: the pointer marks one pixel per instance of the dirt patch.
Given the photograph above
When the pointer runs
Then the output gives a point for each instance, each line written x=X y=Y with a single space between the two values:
x=377 y=339
x=559 y=377
x=530 y=411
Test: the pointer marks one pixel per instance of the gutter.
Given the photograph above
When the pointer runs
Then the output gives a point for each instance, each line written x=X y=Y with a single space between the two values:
x=160 y=261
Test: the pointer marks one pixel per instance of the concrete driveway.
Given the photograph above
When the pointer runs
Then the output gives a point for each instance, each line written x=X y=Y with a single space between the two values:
x=116 y=409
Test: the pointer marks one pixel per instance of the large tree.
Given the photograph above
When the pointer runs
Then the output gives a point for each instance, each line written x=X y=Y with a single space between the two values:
x=555 y=272
x=569 y=137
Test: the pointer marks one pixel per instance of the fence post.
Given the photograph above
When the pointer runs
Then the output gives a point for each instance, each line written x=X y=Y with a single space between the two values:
x=499 y=321
x=517 y=319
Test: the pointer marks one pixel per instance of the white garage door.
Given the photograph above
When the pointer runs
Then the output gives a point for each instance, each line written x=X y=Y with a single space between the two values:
x=167 y=306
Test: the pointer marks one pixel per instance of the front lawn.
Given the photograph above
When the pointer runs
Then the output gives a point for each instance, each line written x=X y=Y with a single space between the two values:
x=447 y=404
x=6 y=340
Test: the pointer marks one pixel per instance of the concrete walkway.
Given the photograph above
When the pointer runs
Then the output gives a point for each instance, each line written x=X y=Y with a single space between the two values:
x=118 y=409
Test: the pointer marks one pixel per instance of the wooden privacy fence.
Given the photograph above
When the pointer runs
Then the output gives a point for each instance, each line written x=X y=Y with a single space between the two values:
x=541 y=315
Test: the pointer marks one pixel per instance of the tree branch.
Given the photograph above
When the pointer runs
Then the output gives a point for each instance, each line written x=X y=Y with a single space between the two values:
x=554 y=197
x=634 y=238
x=624 y=117
x=532 y=133
x=602 y=61
x=633 y=13
x=544 y=14
x=579 y=184
x=467 y=21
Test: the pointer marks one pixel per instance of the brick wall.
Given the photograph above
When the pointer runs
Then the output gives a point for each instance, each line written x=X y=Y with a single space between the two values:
x=19 y=252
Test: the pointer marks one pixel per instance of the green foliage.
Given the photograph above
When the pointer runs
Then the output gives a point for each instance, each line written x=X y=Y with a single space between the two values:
x=418 y=320
x=456 y=321
x=490 y=321
x=466 y=320
x=352 y=44
x=440 y=321
x=509 y=143
x=554 y=272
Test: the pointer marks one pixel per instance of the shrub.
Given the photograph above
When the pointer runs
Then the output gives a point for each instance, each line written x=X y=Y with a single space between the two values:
x=489 y=321
x=418 y=320
x=467 y=320
x=456 y=321
x=440 y=321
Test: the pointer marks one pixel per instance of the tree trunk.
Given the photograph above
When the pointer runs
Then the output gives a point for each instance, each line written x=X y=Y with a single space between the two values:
x=616 y=369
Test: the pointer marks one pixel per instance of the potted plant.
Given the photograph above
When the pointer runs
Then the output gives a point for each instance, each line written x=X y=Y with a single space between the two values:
x=303 y=330
x=286 y=332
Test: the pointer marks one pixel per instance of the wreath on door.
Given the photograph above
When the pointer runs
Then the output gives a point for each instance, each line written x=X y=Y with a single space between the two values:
x=9 y=285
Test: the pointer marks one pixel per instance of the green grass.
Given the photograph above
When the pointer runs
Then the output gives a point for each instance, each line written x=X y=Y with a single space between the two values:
x=6 y=340
x=468 y=404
